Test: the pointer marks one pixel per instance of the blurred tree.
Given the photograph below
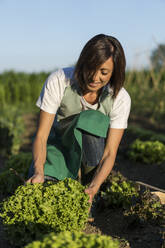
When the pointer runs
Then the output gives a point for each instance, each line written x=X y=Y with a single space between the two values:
x=158 y=57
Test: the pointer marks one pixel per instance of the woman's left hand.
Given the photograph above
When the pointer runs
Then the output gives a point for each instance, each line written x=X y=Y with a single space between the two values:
x=91 y=191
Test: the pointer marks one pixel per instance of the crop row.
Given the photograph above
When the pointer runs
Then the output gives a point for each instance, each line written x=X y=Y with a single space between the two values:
x=20 y=89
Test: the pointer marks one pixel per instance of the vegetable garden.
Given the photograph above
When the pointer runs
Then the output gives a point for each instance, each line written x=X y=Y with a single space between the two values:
x=55 y=214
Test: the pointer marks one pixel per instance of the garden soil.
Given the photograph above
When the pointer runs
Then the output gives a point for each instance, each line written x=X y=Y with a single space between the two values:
x=112 y=221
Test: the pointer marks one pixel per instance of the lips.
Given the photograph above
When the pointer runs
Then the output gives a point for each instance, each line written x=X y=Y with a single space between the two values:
x=94 y=84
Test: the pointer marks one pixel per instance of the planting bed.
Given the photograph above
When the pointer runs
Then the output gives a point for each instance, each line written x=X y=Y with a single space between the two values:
x=111 y=221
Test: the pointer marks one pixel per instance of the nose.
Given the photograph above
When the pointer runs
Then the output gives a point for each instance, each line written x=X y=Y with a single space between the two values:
x=96 y=77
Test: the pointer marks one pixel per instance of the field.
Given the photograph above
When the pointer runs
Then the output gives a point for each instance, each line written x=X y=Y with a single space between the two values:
x=140 y=228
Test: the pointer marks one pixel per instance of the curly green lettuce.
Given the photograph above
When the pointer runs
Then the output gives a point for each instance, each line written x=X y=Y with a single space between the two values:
x=37 y=209
x=75 y=240
x=148 y=152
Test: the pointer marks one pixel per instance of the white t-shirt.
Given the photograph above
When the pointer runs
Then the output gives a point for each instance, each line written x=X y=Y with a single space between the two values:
x=53 y=91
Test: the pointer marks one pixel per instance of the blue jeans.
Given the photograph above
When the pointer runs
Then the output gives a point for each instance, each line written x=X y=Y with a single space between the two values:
x=93 y=148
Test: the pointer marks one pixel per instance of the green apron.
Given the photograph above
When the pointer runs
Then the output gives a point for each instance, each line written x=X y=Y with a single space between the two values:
x=64 y=153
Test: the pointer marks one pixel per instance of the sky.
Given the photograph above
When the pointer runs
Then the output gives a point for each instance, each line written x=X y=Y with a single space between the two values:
x=42 y=35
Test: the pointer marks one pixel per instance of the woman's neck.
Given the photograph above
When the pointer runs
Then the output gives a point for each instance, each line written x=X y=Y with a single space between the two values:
x=91 y=97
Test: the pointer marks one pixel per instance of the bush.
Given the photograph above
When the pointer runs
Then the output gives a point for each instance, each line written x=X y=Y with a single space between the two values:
x=148 y=152
x=9 y=181
x=75 y=239
x=38 y=209
x=117 y=191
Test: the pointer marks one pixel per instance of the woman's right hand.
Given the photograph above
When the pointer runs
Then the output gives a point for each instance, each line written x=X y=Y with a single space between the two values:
x=36 y=178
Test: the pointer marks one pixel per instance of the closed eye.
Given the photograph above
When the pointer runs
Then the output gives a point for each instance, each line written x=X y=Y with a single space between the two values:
x=104 y=73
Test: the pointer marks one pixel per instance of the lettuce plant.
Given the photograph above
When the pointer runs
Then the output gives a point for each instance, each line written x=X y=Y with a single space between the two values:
x=37 y=209
x=75 y=239
x=117 y=191
x=148 y=152
x=147 y=209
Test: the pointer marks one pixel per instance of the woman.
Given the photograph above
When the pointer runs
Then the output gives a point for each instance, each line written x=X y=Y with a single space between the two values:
x=93 y=90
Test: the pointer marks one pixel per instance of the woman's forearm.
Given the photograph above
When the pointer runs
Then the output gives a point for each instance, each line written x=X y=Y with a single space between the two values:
x=103 y=170
x=39 y=154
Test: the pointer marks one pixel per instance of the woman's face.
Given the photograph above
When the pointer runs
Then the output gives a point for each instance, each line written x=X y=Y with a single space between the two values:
x=102 y=76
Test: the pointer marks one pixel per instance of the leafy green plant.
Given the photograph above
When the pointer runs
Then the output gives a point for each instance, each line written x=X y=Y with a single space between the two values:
x=148 y=152
x=20 y=162
x=118 y=191
x=147 y=209
x=38 y=209
x=75 y=239
x=11 y=130
x=15 y=171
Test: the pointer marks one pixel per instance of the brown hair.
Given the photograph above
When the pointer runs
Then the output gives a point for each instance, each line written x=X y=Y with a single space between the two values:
x=96 y=51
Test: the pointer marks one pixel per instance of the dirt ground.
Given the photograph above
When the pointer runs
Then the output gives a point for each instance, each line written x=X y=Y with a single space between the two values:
x=111 y=221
